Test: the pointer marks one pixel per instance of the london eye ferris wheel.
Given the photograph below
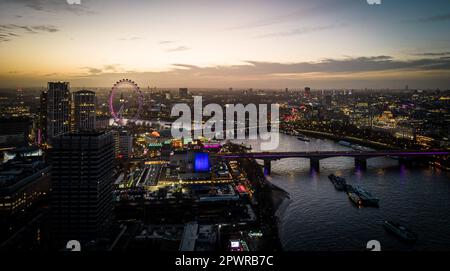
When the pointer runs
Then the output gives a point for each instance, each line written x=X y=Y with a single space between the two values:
x=129 y=106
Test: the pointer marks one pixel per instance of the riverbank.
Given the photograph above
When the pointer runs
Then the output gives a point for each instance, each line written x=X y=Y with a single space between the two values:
x=280 y=201
x=367 y=143
x=272 y=202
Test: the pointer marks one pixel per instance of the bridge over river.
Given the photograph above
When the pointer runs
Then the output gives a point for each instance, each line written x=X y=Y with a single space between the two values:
x=314 y=157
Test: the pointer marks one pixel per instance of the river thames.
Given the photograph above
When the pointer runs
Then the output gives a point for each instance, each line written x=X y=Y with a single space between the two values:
x=320 y=218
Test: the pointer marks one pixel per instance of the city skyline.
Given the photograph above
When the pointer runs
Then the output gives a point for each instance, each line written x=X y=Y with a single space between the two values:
x=208 y=44
x=224 y=126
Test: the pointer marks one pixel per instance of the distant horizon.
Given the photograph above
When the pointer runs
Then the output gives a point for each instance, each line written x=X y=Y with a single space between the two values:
x=280 y=89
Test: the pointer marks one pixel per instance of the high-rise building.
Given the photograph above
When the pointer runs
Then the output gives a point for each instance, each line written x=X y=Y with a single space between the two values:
x=124 y=144
x=82 y=182
x=58 y=109
x=42 y=125
x=102 y=122
x=307 y=91
x=327 y=101
x=183 y=92
x=84 y=110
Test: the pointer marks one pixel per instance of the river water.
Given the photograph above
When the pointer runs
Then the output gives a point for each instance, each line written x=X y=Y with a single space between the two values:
x=321 y=218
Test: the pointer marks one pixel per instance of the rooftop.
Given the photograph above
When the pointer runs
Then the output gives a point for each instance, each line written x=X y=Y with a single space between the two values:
x=20 y=171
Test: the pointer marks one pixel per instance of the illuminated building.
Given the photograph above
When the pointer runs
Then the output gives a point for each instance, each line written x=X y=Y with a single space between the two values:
x=42 y=126
x=58 y=109
x=385 y=121
x=201 y=162
x=424 y=141
x=360 y=115
x=177 y=144
x=125 y=141
x=23 y=182
x=84 y=110
x=102 y=123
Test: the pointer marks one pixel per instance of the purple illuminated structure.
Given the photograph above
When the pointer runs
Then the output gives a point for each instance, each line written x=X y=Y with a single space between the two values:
x=117 y=115
x=212 y=146
x=39 y=139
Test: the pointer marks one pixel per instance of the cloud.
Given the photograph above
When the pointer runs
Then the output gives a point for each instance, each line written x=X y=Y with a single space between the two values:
x=131 y=39
x=297 y=31
x=11 y=31
x=32 y=29
x=51 y=74
x=307 y=10
x=355 y=72
x=178 y=49
x=92 y=70
x=45 y=28
x=111 y=67
x=184 y=66
x=380 y=71
x=261 y=70
x=326 y=66
x=4 y=38
x=432 y=19
x=433 y=54
x=166 y=41
x=52 y=6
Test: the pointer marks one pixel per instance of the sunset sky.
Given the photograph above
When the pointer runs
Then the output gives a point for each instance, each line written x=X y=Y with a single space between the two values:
x=232 y=43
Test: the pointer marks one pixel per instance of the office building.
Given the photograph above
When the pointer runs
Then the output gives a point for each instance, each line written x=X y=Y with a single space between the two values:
x=42 y=123
x=82 y=183
x=84 y=106
x=125 y=144
x=58 y=109
x=24 y=181
x=102 y=122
